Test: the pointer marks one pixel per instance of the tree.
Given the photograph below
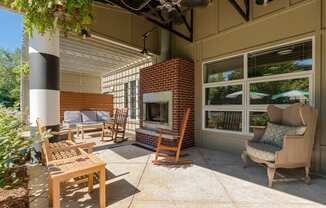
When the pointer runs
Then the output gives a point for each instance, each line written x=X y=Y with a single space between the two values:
x=10 y=70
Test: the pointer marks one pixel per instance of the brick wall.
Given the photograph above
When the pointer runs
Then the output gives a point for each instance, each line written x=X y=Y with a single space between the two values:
x=175 y=75
x=75 y=101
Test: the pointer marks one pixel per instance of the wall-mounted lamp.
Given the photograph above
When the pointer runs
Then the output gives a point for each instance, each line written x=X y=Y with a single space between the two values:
x=145 y=36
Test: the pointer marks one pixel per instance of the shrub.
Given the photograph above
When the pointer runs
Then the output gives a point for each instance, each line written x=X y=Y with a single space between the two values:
x=14 y=149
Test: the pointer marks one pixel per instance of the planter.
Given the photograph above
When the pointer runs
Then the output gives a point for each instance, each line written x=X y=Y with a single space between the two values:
x=16 y=197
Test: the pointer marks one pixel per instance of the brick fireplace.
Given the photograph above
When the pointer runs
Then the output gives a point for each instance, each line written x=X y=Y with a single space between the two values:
x=166 y=90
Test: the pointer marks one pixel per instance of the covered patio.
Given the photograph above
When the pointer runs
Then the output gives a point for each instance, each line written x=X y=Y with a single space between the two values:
x=210 y=77
x=215 y=179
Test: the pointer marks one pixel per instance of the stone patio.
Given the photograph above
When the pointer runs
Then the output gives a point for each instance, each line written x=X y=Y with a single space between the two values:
x=216 y=179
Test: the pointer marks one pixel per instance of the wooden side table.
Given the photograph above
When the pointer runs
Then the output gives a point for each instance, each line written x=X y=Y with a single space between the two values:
x=66 y=169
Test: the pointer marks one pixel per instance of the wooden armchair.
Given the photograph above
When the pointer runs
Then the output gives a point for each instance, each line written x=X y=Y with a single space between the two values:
x=117 y=128
x=63 y=145
x=177 y=148
x=296 y=150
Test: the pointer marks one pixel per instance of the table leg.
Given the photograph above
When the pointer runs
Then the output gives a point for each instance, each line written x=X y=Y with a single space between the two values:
x=102 y=136
x=50 y=187
x=82 y=133
x=55 y=194
x=102 y=187
x=90 y=182
x=77 y=131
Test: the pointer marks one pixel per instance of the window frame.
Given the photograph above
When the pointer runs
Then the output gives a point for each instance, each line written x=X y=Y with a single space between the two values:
x=246 y=108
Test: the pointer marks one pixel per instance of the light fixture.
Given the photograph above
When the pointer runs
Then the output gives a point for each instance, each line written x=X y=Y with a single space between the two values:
x=263 y=2
x=145 y=36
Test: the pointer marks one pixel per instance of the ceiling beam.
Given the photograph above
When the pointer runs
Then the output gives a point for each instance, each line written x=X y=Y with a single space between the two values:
x=158 y=21
x=244 y=13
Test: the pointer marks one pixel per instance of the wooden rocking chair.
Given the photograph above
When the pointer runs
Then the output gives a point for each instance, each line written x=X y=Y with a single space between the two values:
x=172 y=159
x=117 y=128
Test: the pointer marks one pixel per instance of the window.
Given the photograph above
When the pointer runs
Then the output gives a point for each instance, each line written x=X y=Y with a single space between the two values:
x=133 y=98
x=229 y=69
x=238 y=90
x=224 y=95
x=224 y=120
x=126 y=95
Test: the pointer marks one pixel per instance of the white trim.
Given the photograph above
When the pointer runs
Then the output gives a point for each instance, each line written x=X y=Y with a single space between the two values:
x=246 y=108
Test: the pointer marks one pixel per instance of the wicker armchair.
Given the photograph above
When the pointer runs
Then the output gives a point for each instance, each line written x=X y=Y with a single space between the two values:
x=296 y=150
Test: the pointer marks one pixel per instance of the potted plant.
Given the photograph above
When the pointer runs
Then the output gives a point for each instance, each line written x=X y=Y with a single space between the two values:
x=51 y=15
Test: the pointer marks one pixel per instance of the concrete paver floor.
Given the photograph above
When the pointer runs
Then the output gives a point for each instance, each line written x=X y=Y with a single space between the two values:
x=216 y=179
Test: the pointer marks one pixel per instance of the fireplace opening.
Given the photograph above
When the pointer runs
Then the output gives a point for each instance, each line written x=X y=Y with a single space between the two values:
x=157 y=112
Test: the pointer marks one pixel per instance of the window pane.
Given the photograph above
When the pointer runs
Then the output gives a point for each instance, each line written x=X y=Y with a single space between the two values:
x=133 y=99
x=257 y=119
x=287 y=59
x=280 y=92
x=125 y=92
x=229 y=69
x=225 y=120
x=225 y=95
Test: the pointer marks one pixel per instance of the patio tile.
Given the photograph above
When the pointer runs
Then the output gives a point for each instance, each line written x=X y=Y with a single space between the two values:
x=280 y=205
x=242 y=191
x=152 y=204
x=123 y=180
x=189 y=154
x=218 y=158
x=203 y=204
x=125 y=154
x=39 y=202
x=180 y=183
x=38 y=183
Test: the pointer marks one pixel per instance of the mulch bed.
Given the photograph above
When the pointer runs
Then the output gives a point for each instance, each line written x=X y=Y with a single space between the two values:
x=16 y=197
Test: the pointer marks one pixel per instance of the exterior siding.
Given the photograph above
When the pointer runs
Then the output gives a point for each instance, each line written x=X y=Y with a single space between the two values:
x=220 y=31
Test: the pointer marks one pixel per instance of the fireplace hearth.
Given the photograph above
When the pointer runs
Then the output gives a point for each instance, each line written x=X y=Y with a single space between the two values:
x=166 y=91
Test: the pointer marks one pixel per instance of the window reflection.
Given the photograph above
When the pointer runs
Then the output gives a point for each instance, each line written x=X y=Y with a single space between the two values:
x=229 y=69
x=225 y=95
x=257 y=119
x=226 y=120
x=281 y=92
x=287 y=59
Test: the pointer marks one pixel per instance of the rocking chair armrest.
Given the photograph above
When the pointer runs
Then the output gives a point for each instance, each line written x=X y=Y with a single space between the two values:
x=293 y=151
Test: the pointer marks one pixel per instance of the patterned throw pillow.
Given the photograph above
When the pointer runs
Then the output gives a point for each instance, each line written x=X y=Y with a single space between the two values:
x=275 y=133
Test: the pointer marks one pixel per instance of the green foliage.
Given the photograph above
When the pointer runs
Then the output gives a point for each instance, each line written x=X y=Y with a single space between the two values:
x=50 y=15
x=14 y=149
x=10 y=72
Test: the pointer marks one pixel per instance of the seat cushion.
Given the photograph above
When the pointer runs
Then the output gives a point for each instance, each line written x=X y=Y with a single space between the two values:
x=72 y=117
x=89 y=116
x=262 y=151
x=102 y=116
x=274 y=134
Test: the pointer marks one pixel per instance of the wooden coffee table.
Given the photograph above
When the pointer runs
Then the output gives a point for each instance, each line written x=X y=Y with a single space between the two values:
x=63 y=170
x=81 y=128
